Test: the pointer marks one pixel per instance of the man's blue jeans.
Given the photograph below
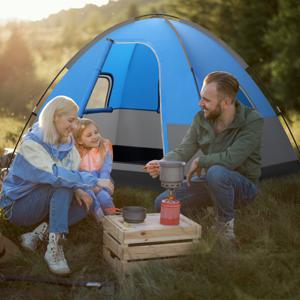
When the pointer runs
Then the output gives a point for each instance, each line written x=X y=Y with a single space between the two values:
x=224 y=188
x=47 y=202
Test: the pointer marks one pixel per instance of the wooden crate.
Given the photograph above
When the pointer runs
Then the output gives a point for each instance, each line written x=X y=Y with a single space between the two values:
x=129 y=246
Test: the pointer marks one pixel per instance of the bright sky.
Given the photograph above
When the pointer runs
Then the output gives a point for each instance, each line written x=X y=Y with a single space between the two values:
x=38 y=9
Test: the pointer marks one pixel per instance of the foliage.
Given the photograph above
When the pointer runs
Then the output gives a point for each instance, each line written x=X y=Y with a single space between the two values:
x=283 y=37
x=11 y=129
x=18 y=83
x=264 y=33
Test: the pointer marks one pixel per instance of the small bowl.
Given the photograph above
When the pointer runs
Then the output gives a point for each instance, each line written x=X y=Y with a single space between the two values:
x=134 y=214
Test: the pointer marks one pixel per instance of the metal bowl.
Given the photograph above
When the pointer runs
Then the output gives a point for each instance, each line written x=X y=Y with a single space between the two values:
x=171 y=173
x=134 y=214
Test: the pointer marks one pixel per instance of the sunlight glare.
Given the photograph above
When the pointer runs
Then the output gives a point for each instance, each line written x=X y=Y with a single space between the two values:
x=37 y=9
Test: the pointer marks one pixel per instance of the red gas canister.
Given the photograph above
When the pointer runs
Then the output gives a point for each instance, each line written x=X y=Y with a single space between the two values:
x=169 y=212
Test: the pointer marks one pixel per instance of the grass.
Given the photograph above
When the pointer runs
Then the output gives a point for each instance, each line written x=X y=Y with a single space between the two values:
x=10 y=129
x=267 y=265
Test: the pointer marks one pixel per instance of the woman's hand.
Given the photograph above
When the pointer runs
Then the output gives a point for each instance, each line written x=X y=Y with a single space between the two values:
x=106 y=183
x=83 y=197
x=194 y=168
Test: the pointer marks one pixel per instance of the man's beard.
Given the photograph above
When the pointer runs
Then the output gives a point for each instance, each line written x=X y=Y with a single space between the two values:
x=215 y=114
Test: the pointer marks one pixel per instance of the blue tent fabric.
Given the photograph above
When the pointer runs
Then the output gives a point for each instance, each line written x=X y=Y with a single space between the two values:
x=150 y=70
x=124 y=64
x=79 y=81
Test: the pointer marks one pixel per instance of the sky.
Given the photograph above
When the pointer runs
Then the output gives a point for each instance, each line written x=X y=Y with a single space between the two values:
x=38 y=9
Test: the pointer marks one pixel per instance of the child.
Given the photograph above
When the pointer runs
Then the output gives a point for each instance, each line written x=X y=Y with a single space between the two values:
x=96 y=157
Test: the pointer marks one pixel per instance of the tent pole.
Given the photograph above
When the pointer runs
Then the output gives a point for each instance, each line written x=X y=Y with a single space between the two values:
x=280 y=113
x=186 y=55
x=156 y=15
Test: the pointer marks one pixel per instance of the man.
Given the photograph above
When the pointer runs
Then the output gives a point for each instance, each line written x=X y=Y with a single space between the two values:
x=229 y=136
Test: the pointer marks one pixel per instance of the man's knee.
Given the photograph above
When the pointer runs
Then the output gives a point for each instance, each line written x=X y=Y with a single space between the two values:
x=217 y=175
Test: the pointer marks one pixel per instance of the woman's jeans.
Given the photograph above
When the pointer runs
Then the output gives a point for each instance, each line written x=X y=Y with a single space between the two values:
x=224 y=188
x=45 y=201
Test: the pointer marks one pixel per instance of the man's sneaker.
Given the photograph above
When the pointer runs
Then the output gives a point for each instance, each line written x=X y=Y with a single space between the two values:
x=30 y=240
x=55 y=257
x=225 y=229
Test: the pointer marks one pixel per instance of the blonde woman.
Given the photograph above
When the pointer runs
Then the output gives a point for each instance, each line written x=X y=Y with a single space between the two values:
x=43 y=182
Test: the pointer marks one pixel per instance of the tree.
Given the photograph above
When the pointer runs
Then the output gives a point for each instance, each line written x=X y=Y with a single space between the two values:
x=265 y=34
x=18 y=83
x=132 y=11
x=283 y=37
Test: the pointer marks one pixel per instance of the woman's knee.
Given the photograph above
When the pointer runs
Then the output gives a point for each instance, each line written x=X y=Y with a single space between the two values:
x=64 y=194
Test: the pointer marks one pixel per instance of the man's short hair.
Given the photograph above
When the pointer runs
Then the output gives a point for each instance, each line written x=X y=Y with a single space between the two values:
x=227 y=84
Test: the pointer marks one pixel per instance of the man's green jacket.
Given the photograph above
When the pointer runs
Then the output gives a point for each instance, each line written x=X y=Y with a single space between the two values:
x=236 y=148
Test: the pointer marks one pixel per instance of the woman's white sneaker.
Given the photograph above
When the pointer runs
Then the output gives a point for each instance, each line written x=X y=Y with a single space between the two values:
x=54 y=256
x=30 y=240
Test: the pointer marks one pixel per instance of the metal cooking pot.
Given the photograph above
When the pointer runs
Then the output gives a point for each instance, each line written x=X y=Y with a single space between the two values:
x=171 y=173
x=134 y=214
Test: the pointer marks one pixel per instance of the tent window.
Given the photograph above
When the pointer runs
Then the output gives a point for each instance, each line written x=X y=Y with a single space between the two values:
x=100 y=94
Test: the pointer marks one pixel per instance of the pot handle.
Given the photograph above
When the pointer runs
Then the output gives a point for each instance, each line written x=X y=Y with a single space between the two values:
x=113 y=211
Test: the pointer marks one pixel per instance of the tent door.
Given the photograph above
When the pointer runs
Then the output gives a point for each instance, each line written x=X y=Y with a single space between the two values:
x=133 y=123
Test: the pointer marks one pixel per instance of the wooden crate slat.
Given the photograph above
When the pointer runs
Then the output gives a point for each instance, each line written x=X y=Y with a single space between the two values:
x=158 y=250
x=151 y=230
x=112 y=244
x=123 y=252
x=122 y=268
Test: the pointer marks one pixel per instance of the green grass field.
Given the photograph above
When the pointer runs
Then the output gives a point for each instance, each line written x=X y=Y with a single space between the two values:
x=10 y=129
x=267 y=265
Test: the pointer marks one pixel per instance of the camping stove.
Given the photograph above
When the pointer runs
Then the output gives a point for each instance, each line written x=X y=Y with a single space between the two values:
x=171 y=177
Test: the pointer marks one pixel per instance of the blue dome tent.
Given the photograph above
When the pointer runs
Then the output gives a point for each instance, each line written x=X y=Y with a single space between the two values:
x=140 y=80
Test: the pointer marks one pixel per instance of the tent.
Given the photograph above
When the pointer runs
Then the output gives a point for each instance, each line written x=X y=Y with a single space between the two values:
x=140 y=80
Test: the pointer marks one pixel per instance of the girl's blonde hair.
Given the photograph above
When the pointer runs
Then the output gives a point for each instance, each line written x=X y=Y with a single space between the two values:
x=83 y=123
x=57 y=107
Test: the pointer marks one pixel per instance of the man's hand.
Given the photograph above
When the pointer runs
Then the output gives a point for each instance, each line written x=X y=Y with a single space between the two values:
x=106 y=183
x=194 y=168
x=153 y=168
x=83 y=197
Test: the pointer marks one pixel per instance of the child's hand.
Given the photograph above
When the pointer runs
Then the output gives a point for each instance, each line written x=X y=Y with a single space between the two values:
x=106 y=183
x=97 y=189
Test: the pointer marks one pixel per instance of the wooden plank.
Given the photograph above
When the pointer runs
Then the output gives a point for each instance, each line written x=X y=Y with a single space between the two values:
x=148 y=251
x=122 y=268
x=115 y=263
x=113 y=245
x=111 y=226
x=158 y=250
x=150 y=230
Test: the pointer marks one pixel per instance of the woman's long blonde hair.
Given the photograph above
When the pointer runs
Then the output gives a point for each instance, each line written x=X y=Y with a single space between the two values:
x=83 y=123
x=58 y=106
